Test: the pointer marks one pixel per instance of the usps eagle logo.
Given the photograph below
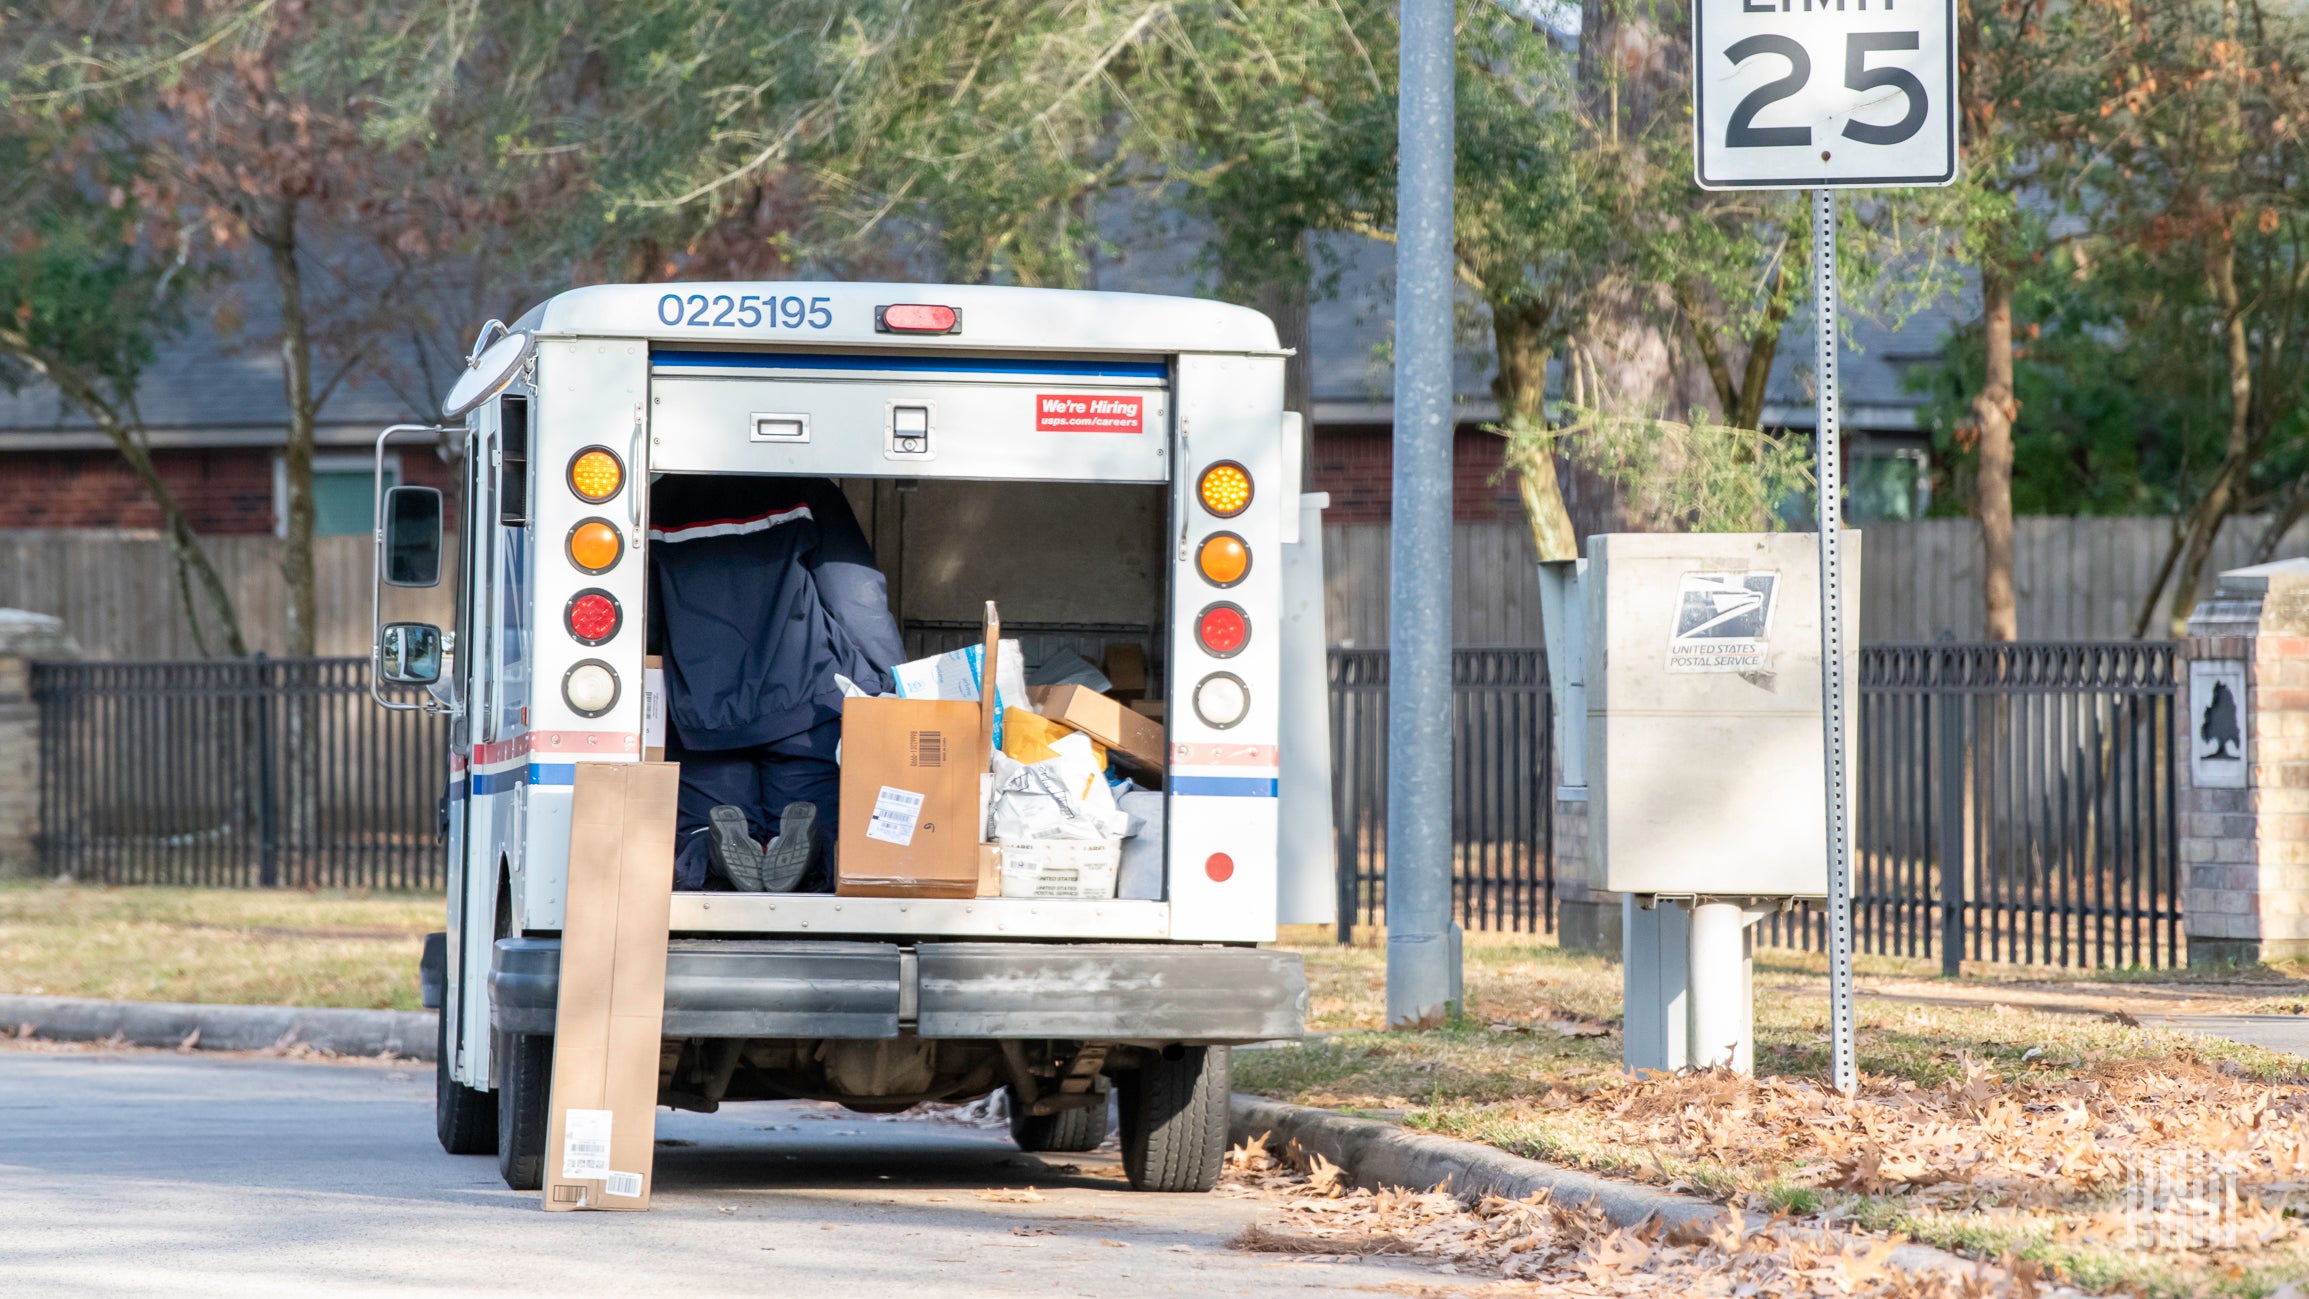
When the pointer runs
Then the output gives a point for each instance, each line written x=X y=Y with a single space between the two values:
x=1723 y=622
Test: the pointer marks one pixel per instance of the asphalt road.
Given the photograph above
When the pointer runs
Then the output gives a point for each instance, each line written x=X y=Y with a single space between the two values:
x=156 y=1173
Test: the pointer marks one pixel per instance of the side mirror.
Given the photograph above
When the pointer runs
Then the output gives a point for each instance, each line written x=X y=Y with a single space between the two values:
x=412 y=530
x=409 y=653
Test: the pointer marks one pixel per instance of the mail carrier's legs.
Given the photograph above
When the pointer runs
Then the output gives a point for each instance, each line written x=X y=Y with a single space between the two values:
x=711 y=779
x=761 y=783
x=802 y=770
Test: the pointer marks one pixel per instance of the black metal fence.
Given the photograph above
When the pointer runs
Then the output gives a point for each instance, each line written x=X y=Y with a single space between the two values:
x=2014 y=803
x=1502 y=787
x=236 y=772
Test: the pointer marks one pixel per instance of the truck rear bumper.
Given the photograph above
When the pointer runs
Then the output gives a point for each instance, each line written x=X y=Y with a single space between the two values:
x=1155 y=993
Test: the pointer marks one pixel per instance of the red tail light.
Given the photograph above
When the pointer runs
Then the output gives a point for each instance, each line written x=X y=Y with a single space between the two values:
x=1223 y=629
x=593 y=616
x=917 y=318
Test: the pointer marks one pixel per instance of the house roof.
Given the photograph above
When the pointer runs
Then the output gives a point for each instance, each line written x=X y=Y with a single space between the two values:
x=207 y=387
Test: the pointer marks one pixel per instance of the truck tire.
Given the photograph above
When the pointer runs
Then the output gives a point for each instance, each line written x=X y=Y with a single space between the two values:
x=464 y=1119
x=524 y=1106
x=1174 y=1120
x=1068 y=1131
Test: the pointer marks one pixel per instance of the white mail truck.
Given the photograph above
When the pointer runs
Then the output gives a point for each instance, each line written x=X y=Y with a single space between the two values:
x=1106 y=468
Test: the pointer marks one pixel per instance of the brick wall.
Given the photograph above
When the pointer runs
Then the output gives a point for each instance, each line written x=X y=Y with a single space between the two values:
x=1356 y=465
x=227 y=491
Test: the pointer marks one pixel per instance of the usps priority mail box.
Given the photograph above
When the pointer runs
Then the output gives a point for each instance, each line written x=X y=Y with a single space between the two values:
x=1706 y=755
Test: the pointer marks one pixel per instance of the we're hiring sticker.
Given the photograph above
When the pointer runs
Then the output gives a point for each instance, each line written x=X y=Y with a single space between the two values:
x=1068 y=412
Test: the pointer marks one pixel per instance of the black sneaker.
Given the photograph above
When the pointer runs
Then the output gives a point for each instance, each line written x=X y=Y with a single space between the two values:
x=790 y=850
x=731 y=848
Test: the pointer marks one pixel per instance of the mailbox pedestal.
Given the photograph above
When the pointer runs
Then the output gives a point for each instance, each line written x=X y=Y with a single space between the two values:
x=1704 y=767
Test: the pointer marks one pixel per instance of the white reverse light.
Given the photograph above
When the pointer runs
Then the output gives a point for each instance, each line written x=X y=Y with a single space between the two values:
x=590 y=688
x=1221 y=699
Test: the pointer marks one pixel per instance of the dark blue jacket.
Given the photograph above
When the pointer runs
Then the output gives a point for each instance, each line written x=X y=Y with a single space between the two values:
x=761 y=590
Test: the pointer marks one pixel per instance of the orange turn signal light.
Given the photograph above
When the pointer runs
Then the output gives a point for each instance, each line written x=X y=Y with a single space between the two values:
x=595 y=546
x=1223 y=559
x=595 y=475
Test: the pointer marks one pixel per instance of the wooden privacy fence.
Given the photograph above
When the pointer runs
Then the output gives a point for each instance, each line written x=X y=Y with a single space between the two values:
x=2077 y=579
x=116 y=591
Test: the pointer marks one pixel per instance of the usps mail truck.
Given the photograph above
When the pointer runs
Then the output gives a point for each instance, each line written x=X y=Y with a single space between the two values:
x=1106 y=468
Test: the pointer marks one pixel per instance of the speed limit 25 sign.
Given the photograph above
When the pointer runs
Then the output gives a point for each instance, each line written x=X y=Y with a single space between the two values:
x=1798 y=94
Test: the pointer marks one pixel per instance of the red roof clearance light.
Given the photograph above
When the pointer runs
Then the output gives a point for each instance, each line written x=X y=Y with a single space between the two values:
x=917 y=318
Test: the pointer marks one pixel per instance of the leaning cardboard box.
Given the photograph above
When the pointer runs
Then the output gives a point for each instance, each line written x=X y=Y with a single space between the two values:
x=602 y=1130
x=1129 y=736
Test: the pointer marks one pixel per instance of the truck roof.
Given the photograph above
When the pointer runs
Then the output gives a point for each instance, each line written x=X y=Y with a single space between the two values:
x=1071 y=320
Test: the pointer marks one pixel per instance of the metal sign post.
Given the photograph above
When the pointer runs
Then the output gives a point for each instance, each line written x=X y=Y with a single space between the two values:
x=1770 y=112
x=1830 y=451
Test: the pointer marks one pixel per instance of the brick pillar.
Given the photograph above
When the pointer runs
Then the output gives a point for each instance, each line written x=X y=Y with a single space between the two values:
x=23 y=637
x=2244 y=787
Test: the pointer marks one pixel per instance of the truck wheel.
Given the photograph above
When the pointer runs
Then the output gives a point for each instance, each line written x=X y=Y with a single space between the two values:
x=1069 y=1131
x=1174 y=1120
x=524 y=1096
x=464 y=1119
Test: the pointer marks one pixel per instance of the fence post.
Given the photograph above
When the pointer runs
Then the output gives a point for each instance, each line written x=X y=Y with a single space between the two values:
x=1949 y=807
x=268 y=806
x=23 y=638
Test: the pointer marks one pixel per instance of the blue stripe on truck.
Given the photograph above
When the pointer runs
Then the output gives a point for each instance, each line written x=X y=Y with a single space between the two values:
x=910 y=364
x=1225 y=786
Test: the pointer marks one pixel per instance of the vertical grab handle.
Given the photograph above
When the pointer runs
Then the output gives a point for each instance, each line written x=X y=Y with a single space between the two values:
x=637 y=485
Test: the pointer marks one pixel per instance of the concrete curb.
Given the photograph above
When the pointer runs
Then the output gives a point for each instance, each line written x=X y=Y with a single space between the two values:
x=1376 y=1155
x=409 y=1034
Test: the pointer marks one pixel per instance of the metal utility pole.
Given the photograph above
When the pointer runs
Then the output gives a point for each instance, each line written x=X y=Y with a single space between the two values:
x=1421 y=980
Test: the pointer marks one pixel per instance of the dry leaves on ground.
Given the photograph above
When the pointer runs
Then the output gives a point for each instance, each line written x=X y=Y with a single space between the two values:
x=2042 y=1141
x=1576 y=1251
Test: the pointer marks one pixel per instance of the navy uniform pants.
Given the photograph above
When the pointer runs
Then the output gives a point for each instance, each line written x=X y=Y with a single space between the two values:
x=759 y=781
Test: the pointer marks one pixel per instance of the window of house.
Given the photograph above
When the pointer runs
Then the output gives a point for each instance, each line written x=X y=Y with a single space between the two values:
x=344 y=494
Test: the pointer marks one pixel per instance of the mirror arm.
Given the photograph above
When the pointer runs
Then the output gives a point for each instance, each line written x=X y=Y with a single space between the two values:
x=377 y=574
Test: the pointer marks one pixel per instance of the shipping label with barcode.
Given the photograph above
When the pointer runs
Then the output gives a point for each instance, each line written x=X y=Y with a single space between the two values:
x=585 y=1144
x=625 y=1184
x=895 y=813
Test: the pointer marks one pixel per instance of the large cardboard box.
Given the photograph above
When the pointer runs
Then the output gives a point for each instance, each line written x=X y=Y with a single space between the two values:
x=910 y=798
x=1132 y=736
x=602 y=1133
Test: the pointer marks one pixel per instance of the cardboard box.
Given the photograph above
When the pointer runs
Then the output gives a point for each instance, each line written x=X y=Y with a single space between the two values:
x=1128 y=735
x=1060 y=868
x=1125 y=669
x=912 y=808
x=1148 y=708
x=653 y=704
x=602 y=1133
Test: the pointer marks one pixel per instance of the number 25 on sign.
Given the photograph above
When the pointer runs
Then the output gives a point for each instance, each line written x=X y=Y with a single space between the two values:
x=1798 y=94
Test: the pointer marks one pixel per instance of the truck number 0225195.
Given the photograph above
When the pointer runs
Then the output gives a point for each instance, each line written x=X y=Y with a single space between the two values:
x=1741 y=132
x=745 y=311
